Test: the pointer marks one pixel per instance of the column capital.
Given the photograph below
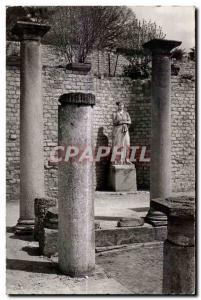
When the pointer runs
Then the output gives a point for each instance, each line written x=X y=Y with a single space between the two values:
x=160 y=46
x=181 y=219
x=30 y=30
x=177 y=206
x=77 y=98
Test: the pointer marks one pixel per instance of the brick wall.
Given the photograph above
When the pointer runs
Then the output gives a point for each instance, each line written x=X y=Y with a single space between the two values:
x=136 y=96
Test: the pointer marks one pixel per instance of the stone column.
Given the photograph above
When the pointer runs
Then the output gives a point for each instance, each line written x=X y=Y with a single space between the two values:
x=31 y=121
x=160 y=167
x=179 y=248
x=76 y=238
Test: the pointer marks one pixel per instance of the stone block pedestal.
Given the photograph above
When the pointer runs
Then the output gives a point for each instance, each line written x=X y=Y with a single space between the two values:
x=178 y=269
x=41 y=206
x=122 y=178
x=179 y=248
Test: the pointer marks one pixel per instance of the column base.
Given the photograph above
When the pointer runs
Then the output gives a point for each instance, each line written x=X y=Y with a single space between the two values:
x=156 y=218
x=78 y=274
x=24 y=227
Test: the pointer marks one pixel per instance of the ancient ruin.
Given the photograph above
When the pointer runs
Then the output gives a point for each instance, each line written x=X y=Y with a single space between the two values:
x=97 y=182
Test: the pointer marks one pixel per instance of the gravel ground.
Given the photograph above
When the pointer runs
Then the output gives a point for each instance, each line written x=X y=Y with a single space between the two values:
x=139 y=268
x=29 y=273
x=131 y=270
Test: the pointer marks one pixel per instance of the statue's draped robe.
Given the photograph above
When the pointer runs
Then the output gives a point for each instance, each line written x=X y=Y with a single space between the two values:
x=121 y=136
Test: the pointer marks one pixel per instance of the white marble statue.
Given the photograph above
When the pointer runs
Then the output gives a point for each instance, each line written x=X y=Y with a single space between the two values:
x=120 y=136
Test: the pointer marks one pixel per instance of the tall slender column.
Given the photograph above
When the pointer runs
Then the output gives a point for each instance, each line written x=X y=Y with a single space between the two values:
x=76 y=239
x=31 y=121
x=160 y=170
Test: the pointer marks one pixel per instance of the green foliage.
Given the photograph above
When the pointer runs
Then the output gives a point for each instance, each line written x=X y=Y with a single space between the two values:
x=178 y=53
x=191 y=54
x=137 y=71
x=78 y=30
x=139 y=63
x=136 y=35
x=139 y=32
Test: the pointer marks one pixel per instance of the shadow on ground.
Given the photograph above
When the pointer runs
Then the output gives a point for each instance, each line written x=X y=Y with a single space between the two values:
x=32 y=266
x=32 y=251
x=28 y=238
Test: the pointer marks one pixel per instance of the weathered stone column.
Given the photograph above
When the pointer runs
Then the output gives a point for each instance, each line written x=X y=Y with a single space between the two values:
x=160 y=167
x=31 y=121
x=76 y=238
x=179 y=248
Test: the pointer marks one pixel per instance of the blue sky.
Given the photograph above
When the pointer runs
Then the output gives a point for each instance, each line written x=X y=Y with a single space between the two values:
x=178 y=22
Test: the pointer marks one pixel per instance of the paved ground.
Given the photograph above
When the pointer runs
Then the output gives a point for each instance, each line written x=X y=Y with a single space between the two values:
x=134 y=269
x=110 y=205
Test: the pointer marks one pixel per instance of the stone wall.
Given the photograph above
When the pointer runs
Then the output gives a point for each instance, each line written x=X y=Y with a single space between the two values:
x=136 y=96
x=183 y=129
x=12 y=133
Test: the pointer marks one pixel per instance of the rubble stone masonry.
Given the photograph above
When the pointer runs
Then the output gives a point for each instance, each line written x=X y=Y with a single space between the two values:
x=136 y=95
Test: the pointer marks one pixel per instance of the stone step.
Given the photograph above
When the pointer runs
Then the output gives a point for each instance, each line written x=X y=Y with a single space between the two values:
x=123 y=218
x=107 y=237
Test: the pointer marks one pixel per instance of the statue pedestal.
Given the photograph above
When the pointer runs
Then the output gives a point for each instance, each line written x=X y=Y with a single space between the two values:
x=122 y=178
